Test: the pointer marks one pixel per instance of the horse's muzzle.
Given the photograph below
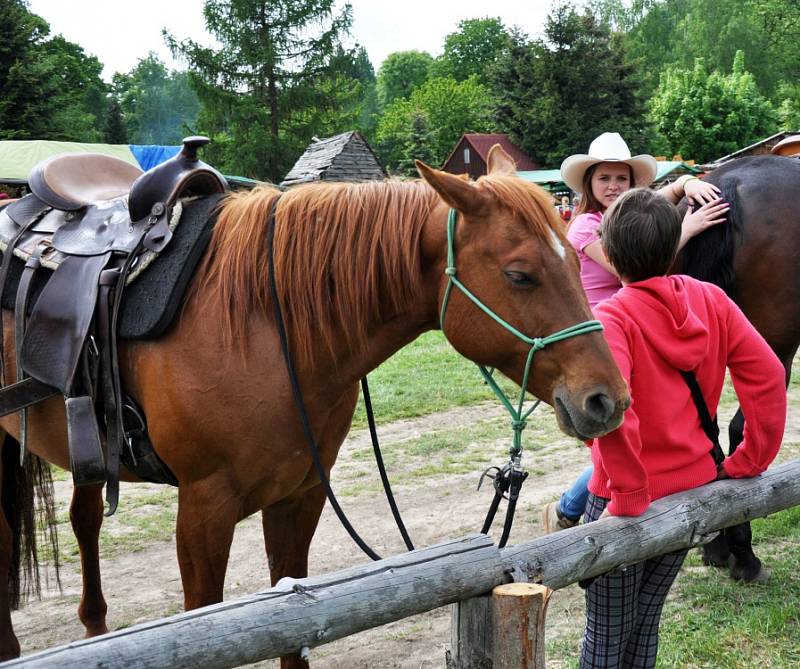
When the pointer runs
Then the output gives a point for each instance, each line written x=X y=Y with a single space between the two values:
x=588 y=415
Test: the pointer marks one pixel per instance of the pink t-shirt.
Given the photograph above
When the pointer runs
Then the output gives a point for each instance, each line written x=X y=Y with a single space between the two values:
x=598 y=283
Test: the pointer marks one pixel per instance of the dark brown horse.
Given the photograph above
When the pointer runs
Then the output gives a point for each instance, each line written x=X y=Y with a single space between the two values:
x=360 y=269
x=754 y=259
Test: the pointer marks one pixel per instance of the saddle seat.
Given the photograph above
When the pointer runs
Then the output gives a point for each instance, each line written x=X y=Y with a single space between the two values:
x=75 y=180
x=788 y=146
x=89 y=204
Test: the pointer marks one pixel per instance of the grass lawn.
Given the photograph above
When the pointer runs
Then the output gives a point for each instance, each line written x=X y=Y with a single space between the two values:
x=425 y=377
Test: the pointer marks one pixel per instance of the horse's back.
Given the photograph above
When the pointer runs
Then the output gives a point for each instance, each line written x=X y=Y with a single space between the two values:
x=764 y=231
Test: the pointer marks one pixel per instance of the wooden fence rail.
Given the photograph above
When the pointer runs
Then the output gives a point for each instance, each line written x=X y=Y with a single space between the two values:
x=314 y=611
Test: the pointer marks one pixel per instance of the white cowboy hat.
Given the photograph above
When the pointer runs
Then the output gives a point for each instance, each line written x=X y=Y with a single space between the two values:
x=607 y=148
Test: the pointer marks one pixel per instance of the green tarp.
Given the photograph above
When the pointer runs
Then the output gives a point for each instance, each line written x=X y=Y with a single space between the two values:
x=17 y=158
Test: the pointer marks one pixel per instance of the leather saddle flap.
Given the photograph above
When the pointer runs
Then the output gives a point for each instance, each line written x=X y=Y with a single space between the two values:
x=59 y=324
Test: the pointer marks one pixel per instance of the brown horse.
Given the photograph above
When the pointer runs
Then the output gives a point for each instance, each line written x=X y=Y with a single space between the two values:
x=754 y=259
x=360 y=269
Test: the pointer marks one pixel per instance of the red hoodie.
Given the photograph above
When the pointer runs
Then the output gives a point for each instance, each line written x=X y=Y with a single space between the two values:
x=655 y=328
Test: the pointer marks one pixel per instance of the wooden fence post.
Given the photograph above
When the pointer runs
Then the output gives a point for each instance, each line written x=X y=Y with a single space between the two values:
x=471 y=634
x=518 y=614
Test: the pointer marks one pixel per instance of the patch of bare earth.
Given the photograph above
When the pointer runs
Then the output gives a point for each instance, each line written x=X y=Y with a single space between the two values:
x=142 y=585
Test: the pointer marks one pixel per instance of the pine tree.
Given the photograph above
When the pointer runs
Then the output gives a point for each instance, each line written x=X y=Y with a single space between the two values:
x=115 y=131
x=273 y=83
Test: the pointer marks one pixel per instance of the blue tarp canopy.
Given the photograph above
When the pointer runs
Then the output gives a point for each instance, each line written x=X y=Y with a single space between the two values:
x=150 y=155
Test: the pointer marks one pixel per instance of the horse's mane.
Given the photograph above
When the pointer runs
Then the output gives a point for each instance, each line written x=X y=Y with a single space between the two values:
x=710 y=255
x=345 y=254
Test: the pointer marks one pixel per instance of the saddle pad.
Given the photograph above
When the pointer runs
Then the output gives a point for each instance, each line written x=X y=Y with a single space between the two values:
x=148 y=304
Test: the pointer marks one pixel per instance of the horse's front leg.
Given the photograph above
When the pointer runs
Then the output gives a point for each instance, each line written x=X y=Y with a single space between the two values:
x=208 y=511
x=9 y=645
x=86 y=516
x=289 y=527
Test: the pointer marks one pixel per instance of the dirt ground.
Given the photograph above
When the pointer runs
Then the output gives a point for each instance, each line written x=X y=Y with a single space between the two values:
x=144 y=584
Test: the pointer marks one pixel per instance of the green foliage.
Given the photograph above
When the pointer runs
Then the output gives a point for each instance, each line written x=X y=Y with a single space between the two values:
x=441 y=109
x=705 y=116
x=789 y=106
x=677 y=32
x=367 y=106
x=158 y=105
x=554 y=95
x=115 y=132
x=279 y=77
x=400 y=74
x=470 y=50
x=49 y=88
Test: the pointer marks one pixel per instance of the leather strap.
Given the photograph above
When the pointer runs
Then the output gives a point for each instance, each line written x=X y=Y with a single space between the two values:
x=23 y=394
x=20 y=318
x=710 y=425
x=8 y=254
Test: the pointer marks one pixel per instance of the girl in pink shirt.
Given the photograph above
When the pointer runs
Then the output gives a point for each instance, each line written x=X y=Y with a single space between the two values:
x=601 y=176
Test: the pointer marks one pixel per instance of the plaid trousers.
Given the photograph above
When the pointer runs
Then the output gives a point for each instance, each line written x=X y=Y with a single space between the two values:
x=623 y=608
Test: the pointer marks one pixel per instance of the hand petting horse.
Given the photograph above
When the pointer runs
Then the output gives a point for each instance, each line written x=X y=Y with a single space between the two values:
x=360 y=272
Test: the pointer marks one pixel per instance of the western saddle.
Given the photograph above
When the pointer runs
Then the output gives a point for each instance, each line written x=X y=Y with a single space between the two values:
x=788 y=146
x=90 y=218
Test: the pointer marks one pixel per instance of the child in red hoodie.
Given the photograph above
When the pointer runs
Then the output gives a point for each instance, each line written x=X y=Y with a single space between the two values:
x=658 y=326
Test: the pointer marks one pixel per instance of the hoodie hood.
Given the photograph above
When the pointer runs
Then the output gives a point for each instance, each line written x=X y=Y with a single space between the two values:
x=675 y=329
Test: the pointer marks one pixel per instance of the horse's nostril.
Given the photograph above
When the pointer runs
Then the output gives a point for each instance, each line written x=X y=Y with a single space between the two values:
x=600 y=407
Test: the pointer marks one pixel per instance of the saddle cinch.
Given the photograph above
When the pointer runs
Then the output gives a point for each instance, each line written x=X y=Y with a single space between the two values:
x=92 y=220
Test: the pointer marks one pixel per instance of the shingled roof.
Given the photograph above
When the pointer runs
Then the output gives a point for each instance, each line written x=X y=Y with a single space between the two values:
x=345 y=157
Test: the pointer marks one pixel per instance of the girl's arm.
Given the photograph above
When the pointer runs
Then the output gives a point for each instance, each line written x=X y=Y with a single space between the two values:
x=691 y=187
x=595 y=252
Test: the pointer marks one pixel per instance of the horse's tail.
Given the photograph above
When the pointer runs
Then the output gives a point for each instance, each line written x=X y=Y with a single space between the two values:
x=710 y=255
x=27 y=503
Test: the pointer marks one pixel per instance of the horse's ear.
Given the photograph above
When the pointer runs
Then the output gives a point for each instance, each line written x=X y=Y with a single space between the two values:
x=499 y=162
x=454 y=190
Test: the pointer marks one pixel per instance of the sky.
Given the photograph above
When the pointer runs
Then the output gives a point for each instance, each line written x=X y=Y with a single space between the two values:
x=121 y=32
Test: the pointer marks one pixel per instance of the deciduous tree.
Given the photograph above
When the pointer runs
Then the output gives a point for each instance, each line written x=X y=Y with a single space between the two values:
x=159 y=106
x=401 y=73
x=705 y=116
x=471 y=49
x=441 y=110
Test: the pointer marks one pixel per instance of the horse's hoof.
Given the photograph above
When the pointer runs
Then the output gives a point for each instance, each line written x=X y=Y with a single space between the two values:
x=746 y=575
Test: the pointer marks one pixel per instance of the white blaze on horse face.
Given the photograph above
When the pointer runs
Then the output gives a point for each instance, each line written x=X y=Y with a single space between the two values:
x=557 y=245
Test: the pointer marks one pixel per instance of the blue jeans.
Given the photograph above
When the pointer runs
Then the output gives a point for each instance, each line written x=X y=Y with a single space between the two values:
x=573 y=501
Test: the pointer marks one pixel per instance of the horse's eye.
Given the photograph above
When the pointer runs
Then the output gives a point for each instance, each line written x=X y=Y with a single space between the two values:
x=520 y=279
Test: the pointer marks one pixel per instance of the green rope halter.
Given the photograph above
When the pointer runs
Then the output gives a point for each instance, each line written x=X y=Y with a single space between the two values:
x=518 y=417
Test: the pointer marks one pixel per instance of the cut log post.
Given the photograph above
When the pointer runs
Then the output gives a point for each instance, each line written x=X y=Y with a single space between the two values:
x=518 y=614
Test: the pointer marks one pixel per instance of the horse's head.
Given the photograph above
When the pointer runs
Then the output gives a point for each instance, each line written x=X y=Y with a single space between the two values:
x=511 y=253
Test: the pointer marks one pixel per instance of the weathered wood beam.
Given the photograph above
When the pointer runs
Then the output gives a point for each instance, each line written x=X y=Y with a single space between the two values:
x=314 y=611
x=679 y=521
x=296 y=614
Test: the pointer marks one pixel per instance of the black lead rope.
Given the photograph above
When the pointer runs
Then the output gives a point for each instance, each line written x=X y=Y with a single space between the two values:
x=507 y=480
x=298 y=396
x=373 y=433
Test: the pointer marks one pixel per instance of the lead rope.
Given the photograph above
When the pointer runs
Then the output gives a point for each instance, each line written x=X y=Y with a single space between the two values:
x=510 y=478
x=298 y=396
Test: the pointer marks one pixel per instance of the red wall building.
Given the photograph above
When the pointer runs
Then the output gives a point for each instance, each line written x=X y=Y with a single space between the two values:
x=470 y=154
